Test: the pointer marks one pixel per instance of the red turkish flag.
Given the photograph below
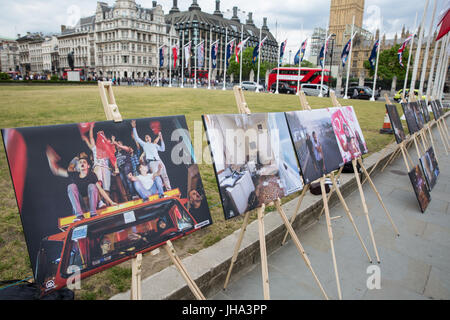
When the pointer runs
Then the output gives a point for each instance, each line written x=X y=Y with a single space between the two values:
x=105 y=149
x=445 y=25
x=16 y=150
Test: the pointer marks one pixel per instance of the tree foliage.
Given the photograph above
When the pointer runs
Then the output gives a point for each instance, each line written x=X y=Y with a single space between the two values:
x=389 y=65
x=248 y=65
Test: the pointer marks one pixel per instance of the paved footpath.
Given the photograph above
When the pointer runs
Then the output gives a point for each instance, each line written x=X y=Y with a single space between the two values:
x=415 y=265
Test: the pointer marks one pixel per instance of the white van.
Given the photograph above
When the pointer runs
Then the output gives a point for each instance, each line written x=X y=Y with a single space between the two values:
x=314 y=89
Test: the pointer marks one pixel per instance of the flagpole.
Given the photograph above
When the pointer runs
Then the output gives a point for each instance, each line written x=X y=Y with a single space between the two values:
x=409 y=57
x=225 y=61
x=430 y=76
x=349 y=62
x=419 y=47
x=427 y=51
x=376 y=65
x=182 y=61
x=299 y=66
x=170 y=58
x=159 y=65
x=438 y=69
x=259 y=60
x=442 y=72
x=195 y=66
x=242 y=49
x=209 y=65
x=323 y=63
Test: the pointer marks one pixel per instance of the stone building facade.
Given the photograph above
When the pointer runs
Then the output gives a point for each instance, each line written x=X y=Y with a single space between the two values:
x=197 y=25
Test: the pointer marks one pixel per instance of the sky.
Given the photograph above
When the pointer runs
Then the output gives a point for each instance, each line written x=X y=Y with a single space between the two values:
x=294 y=20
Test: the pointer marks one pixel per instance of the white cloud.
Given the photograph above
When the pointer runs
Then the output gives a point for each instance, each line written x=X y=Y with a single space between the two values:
x=285 y=18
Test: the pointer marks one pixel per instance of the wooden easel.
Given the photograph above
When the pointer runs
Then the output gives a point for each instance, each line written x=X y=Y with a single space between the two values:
x=363 y=201
x=112 y=113
x=243 y=109
x=306 y=107
x=442 y=129
x=410 y=139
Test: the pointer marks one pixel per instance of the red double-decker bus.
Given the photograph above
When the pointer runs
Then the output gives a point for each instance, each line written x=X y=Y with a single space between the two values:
x=290 y=76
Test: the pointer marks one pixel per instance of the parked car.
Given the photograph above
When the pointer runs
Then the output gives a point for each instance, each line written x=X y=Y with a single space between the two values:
x=282 y=88
x=314 y=89
x=251 y=86
x=361 y=92
x=398 y=95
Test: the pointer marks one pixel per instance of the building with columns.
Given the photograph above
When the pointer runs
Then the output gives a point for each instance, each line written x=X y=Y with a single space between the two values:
x=81 y=41
x=9 y=55
x=197 y=25
x=127 y=38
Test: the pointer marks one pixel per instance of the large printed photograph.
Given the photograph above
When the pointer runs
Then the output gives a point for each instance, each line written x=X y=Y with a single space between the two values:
x=92 y=195
x=420 y=187
x=410 y=116
x=396 y=123
x=430 y=168
x=315 y=143
x=352 y=144
x=254 y=160
x=425 y=111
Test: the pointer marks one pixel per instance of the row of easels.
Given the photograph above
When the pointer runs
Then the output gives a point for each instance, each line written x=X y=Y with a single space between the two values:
x=243 y=109
x=336 y=189
x=420 y=136
x=112 y=113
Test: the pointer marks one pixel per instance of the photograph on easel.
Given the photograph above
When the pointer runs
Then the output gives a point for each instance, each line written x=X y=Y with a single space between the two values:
x=418 y=112
x=430 y=168
x=420 y=187
x=254 y=160
x=348 y=133
x=396 y=123
x=410 y=116
x=315 y=143
x=425 y=111
x=435 y=109
x=93 y=195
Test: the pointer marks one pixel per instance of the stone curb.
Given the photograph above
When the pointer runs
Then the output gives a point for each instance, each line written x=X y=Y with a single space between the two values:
x=209 y=266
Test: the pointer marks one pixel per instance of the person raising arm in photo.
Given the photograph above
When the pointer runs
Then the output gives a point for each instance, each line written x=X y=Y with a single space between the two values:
x=83 y=183
x=151 y=150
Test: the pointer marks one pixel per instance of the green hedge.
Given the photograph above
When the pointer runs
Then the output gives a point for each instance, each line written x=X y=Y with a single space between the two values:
x=59 y=82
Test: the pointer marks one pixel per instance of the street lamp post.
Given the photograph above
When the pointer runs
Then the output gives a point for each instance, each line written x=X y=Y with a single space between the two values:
x=333 y=37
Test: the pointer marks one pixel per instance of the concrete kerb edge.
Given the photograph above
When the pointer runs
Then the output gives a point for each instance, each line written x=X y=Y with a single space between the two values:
x=209 y=266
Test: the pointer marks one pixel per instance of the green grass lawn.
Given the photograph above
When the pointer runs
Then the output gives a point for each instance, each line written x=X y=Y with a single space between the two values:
x=37 y=106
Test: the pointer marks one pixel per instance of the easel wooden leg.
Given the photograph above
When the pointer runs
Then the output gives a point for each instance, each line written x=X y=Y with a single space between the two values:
x=136 y=277
x=391 y=159
x=331 y=193
x=330 y=234
x=379 y=197
x=366 y=211
x=444 y=142
x=237 y=247
x=294 y=216
x=179 y=265
x=298 y=245
x=379 y=160
x=263 y=251
x=432 y=142
x=349 y=215
x=417 y=146
x=404 y=153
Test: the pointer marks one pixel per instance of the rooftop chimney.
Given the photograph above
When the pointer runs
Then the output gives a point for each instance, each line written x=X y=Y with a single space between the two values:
x=218 y=12
x=265 y=27
x=235 y=16
x=175 y=7
x=63 y=28
x=194 y=6
x=250 y=19
x=154 y=4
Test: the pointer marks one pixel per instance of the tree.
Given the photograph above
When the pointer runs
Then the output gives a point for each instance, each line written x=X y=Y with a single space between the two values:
x=248 y=65
x=305 y=64
x=388 y=65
